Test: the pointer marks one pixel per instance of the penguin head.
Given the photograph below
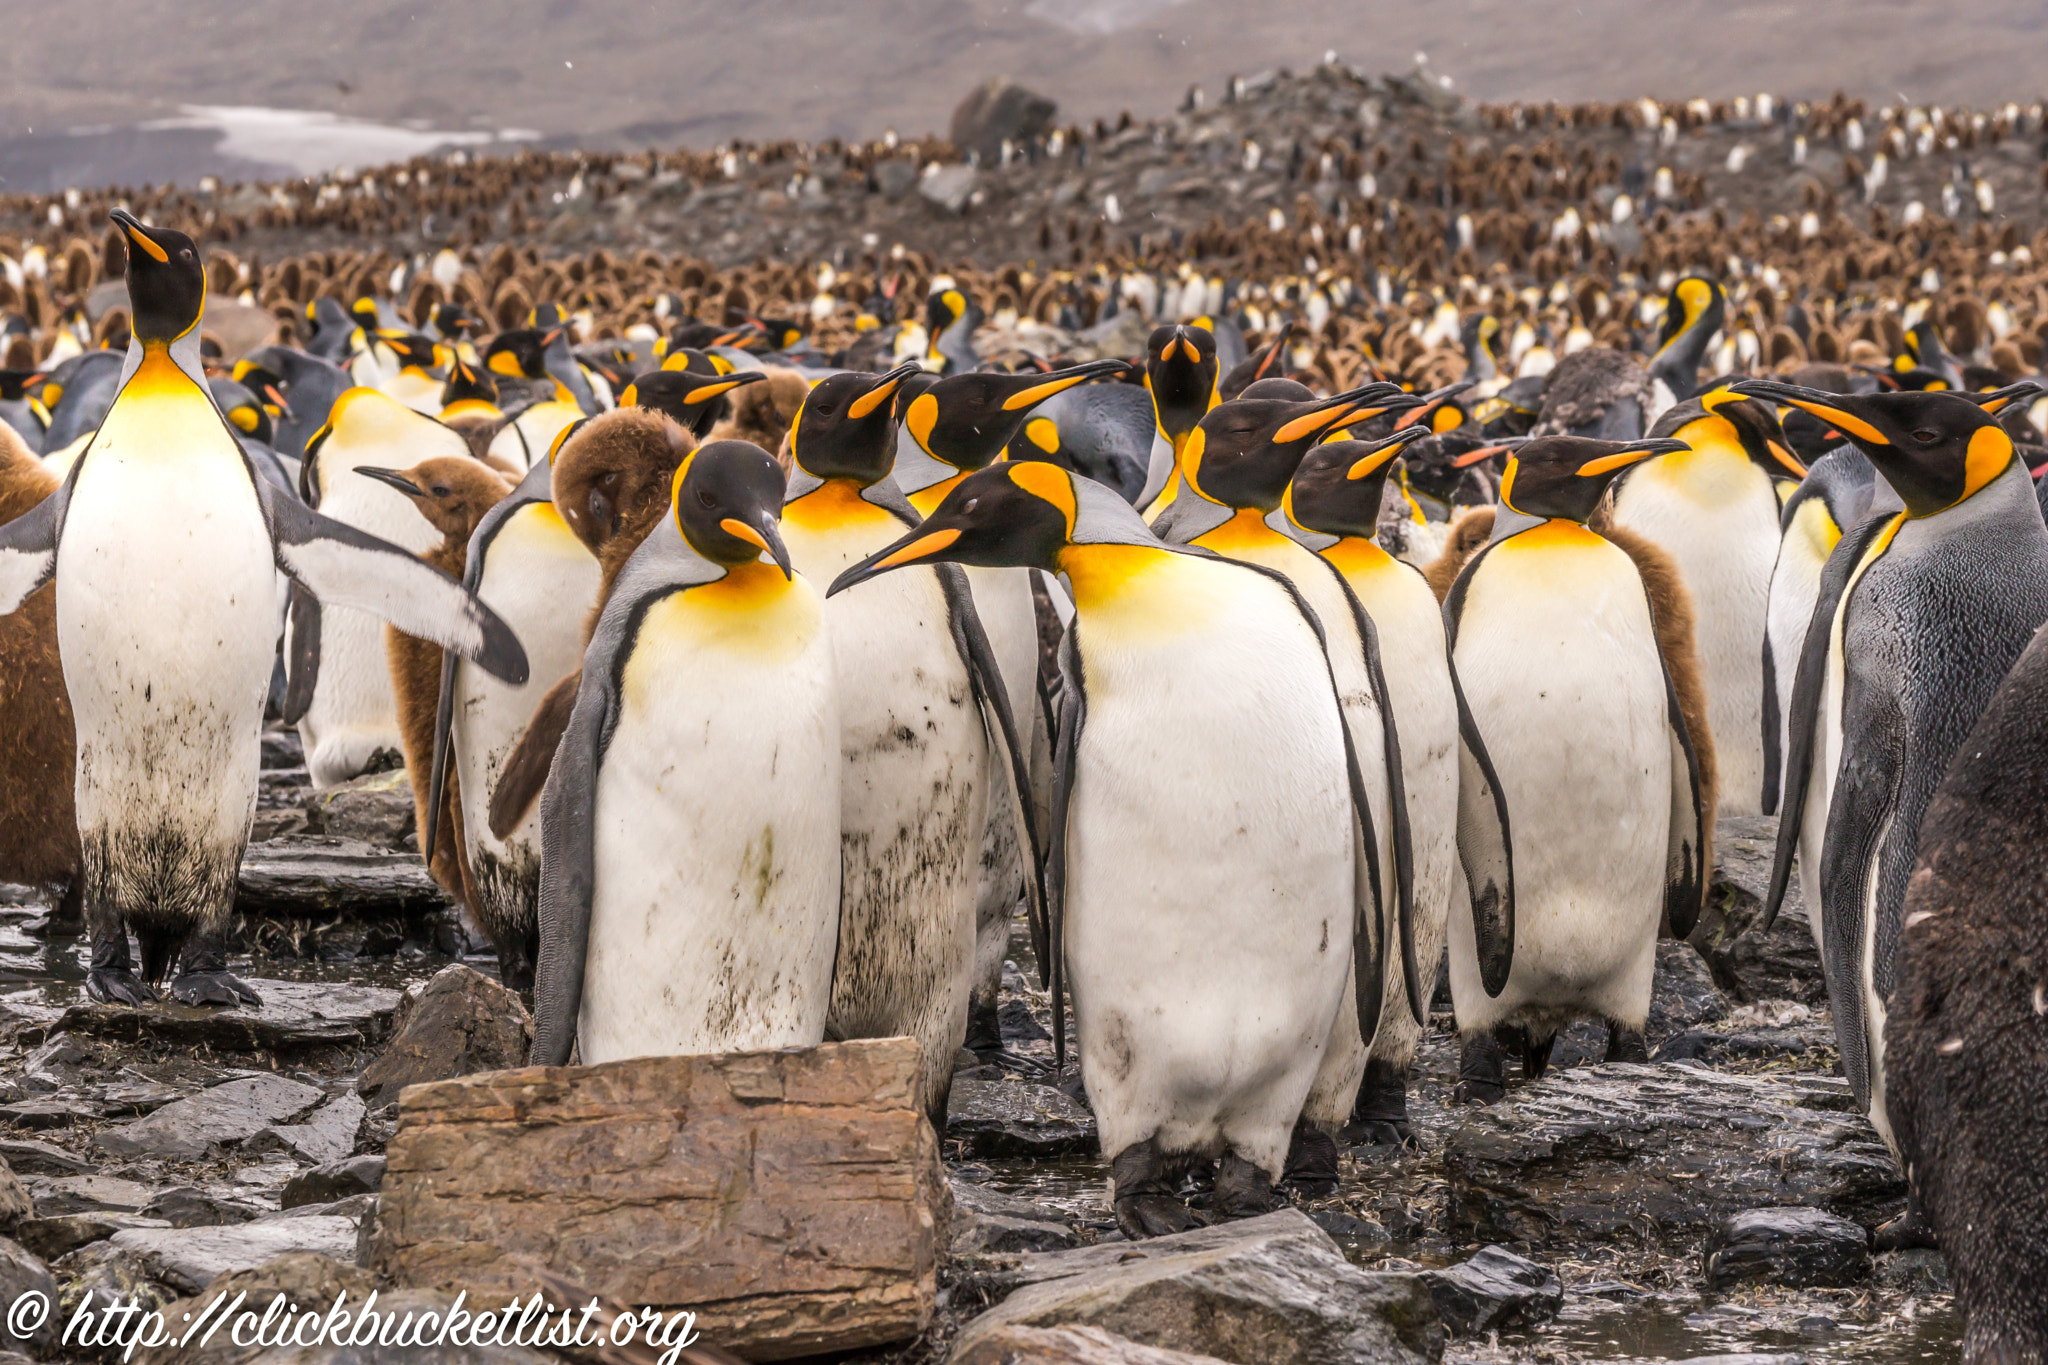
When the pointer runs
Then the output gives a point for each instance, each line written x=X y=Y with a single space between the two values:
x=467 y=384
x=1180 y=370
x=411 y=351
x=1926 y=362
x=257 y=373
x=452 y=491
x=945 y=309
x=1733 y=421
x=1695 y=309
x=604 y=471
x=1439 y=411
x=846 y=428
x=1935 y=448
x=965 y=420
x=728 y=504
x=520 y=353
x=1244 y=452
x=243 y=409
x=1005 y=516
x=166 y=283
x=1566 y=476
x=686 y=395
x=1338 y=486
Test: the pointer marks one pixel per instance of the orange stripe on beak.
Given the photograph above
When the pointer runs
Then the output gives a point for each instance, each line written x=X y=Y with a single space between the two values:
x=920 y=548
x=733 y=527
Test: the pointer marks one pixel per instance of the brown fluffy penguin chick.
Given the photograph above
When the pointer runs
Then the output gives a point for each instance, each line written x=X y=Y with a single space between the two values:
x=1470 y=530
x=37 y=742
x=452 y=492
x=611 y=484
x=761 y=413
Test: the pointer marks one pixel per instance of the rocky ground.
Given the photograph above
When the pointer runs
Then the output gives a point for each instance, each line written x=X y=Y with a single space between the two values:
x=1714 y=1204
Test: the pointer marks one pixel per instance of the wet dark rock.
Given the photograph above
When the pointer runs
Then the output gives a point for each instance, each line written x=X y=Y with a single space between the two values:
x=188 y=1259
x=301 y=1277
x=109 y=1277
x=50 y=1238
x=1273 y=1290
x=126 y=1099
x=1795 y=1247
x=319 y=877
x=1000 y=111
x=326 y=1134
x=60 y=1062
x=1747 y=1045
x=1015 y=1345
x=185 y=1206
x=1353 y=1234
x=376 y=808
x=1495 y=1289
x=282 y=749
x=31 y=1157
x=1018 y=1024
x=1918 y=1271
x=988 y=1221
x=1660 y=1152
x=895 y=177
x=55 y=1196
x=1749 y=963
x=22 y=1272
x=1682 y=996
x=295 y=1016
x=1017 y=1118
x=334 y=1180
x=224 y=1116
x=50 y=1112
x=458 y=1024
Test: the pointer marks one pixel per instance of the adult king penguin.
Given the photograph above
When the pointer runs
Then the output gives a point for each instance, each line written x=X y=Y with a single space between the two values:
x=1181 y=372
x=1209 y=869
x=689 y=825
x=166 y=547
x=921 y=701
x=1919 y=616
x=1554 y=638
x=1714 y=509
x=1457 y=819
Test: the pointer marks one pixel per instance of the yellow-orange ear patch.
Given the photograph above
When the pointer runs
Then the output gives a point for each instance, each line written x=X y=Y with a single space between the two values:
x=921 y=419
x=1049 y=482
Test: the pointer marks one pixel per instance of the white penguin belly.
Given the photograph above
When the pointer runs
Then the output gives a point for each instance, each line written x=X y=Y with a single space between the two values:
x=166 y=604
x=1717 y=515
x=716 y=904
x=1210 y=874
x=541 y=579
x=1560 y=668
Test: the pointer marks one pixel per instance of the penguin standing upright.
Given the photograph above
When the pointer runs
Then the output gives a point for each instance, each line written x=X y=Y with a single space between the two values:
x=921 y=700
x=1714 y=508
x=1457 y=819
x=688 y=828
x=165 y=549
x=1181 y=372
x=1209 y=819
x=1554 y=638
x=1919 y=616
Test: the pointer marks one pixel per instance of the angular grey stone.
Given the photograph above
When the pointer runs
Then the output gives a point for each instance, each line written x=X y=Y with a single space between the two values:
x=998 y=111
x=458 y=1024
x=184 y=1206
x=1015 y=1345
x=334 y=1180
x=1744 y=1045
x=949 y=187
x=1493 y=1290
x=15 y=1203
x=988 y=1221
x=326 y=1134
x=1017 y=1118
x=318 y=877
x=53 y=1111
x=58 y=1195
x=895 y=177
x=108 y=1277
x=23 y=1273
x=1273 y=1290
x=188 y=1259
x=301 y=1277
x=376 y=808
x=294 y=1016
x=31 y=1157
x=1795 y=1247
x=50 y=1238
x=224 y=1116
x=1683 y=994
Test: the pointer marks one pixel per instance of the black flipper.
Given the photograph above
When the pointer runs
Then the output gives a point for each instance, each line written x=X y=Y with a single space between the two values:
x=28 y=546
x=302 y=653
x=1485 y=848
x=1774 y=761
x=1807 y=686
x=1073 y=714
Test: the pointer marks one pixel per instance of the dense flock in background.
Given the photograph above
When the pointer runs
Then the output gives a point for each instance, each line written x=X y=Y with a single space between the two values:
x=1271 y=617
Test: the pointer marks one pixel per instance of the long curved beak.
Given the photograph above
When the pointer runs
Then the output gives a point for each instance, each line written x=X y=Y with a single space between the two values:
x=1836 y=409
x=738 y=379
x=1430 y=402
x=919 y=547
x=139 y=235
x=392 y=477
x=1635 y=452
x=766 y=533
x=883 y=390
x=1388 y=449
x=1062 y=380
x=1997 y=399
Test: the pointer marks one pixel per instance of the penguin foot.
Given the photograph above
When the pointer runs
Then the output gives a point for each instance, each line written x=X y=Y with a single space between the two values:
x=1379 y=1116
x=215 y=987
x=1905 y=1232
x=66 y=918
x=1481 y=1063
x=984 y=1030
x=1536 y=1055
x=1155 y=1215
x=1244 y=1190
x=1625 y=1044
x=1148 y=1204
x=118 y=986
x=1311 y=1162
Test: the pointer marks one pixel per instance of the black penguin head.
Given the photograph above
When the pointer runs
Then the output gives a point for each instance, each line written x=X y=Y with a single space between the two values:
x=1935 y=448
x=945 y=309
x=243 y=409
x=453 y=321
x=1479 y=334
x=1006 y=516
x=1695 y=309
x=1926 y=363
x=1337 y=488
x=520 y=353
x=846 y=428
x=1566 y=476
x=166 y=283
x=728 y=504
x=1180 y=370
x=965 y=420
x=413 y=351
x=685 y=395
x=1438 y=411
x=467 y=384
x=1733 y=419
x=1244 y=452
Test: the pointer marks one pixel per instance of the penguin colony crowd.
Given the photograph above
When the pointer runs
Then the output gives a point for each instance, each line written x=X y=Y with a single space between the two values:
x=1263 y=669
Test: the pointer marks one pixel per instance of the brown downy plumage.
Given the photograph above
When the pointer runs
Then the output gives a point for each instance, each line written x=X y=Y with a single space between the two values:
x=611 y=484
x=37 y=742
x=1470 y=530
x=761 y=413
x=452 y=493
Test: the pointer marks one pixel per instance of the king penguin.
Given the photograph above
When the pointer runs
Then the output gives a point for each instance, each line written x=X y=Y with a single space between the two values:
x=165 y=549
x=1555 y=643
x=1210 y=872
x=921 y=701
x=1181 y=373
x=689 y=828
x=1919 y=616
x=1457 y=818
x=1714 y=508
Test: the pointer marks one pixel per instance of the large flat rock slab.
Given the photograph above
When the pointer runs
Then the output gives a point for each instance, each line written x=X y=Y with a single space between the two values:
x=1018 y=1118
x=1661 y=1152
x=794 y=1200
x=188 y=1259
x=321 y=876
x=223 y=1116
x=294 y=1016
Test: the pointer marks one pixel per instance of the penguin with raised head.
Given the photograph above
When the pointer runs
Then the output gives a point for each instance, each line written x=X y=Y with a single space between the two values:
x=1102 y=431
x=951 y=316
x=689 y=826
x=1210 y=876
x=1181 y=374
x=1457 y=817
x=1714 y=507
x=165 y=549
x=1693 y=316
x=921 y=701
x=302 y=388
x=1919 y=616
x=693 y=399
x=1556 y=645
